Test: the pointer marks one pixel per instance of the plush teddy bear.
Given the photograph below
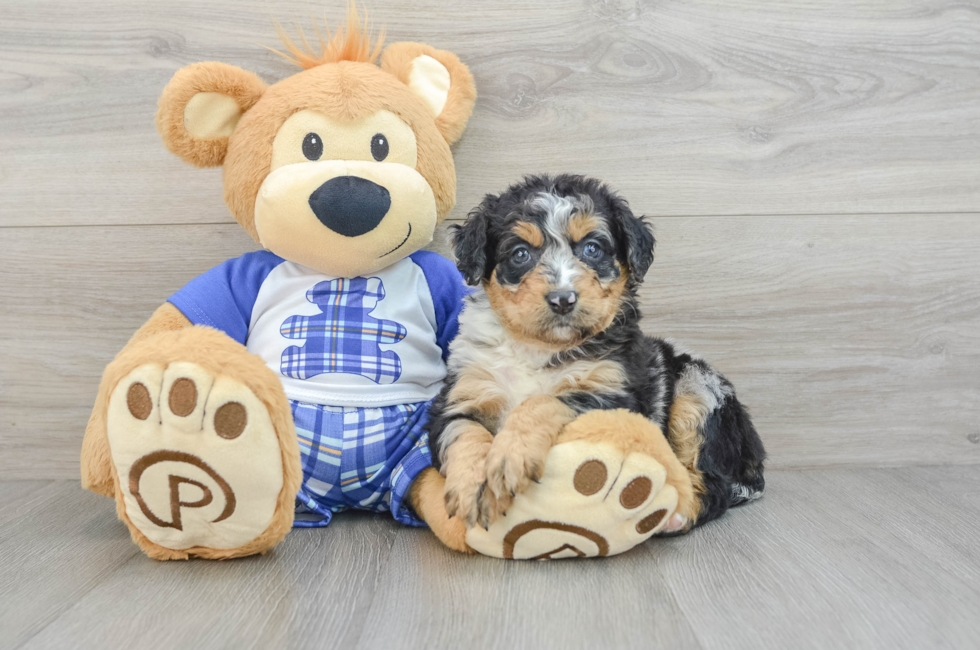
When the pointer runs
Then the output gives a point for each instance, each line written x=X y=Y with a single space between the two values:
x=292 y=383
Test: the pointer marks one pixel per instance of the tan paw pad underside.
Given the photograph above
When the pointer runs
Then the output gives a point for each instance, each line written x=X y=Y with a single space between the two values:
x=590 y=502
x=197 y=457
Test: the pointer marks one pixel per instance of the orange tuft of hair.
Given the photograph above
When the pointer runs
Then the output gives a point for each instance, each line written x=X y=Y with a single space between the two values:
x=352 y=43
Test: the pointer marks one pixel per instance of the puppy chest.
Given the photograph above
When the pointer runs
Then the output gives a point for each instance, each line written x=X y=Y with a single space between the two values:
x=495 y=382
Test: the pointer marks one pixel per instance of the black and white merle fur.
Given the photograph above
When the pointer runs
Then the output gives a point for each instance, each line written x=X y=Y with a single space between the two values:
x=731 y=455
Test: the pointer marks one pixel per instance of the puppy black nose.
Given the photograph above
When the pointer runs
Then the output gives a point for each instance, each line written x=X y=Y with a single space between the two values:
x=562 y=302
x=350 y=205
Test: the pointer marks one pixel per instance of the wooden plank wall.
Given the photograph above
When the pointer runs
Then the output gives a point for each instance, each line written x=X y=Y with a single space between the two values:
x=813 y=171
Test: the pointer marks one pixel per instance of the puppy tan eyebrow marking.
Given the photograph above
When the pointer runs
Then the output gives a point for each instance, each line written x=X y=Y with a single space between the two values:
x=581 y=225
x=529 y=233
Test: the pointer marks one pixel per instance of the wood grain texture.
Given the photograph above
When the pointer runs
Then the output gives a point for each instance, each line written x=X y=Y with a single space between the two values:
x=21 y=496
x=854 y=340
x=829 y=558
x=313 y=592
x=64 y=542
x=836 y=558
x=708 y=107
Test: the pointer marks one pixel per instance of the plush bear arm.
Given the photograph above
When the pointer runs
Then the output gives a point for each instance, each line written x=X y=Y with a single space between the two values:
x=96 y=471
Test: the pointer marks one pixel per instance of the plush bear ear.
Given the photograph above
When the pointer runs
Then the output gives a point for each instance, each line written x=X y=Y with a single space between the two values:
x=439 y=78
x=200 y=108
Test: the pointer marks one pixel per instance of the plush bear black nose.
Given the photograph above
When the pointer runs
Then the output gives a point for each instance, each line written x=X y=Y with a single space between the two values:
x=350 y=205
x=562 y=302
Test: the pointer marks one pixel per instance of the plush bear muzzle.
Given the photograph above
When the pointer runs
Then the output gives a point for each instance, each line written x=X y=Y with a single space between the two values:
x=350 y=205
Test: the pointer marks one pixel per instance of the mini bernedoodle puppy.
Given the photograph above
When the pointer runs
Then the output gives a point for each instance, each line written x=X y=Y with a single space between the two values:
x=556 y=331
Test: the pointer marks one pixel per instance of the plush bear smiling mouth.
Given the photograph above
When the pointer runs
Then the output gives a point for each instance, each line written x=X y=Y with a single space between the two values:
x=409 y=234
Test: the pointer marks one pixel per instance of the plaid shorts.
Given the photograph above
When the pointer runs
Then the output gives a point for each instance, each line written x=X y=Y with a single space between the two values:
x=362 y=458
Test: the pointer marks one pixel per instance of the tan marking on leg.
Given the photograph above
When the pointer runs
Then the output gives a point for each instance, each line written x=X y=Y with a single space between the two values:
x=529 y=233
x=687 y=416
x=427 y=498
x=631 y=432
x=519 y=449
x=582 y=225
x=465 y=471
x=476 y=391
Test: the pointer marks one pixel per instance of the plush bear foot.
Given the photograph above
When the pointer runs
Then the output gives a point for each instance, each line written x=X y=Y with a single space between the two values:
x=593 y=500
x=198 y=463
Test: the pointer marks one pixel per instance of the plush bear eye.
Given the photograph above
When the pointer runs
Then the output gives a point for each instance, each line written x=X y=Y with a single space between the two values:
x=379 y=147
x=312 y=146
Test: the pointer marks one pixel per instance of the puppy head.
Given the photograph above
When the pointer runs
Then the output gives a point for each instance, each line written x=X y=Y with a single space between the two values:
x=557 y=257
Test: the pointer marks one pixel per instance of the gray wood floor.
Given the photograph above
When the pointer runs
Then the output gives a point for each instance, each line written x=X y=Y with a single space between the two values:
x=845 y=558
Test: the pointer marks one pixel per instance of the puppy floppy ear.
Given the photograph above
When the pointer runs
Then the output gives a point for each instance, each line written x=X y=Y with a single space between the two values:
x=471 y=242
x=638 y=237
x=200 y=108
x=439 y=78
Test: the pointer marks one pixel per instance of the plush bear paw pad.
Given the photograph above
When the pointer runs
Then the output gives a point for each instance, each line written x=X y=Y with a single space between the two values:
x=196 y=455
x=591 y=501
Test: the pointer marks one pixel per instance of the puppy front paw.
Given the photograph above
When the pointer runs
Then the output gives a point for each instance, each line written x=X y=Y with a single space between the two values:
x=463 y=494
x=513 y=463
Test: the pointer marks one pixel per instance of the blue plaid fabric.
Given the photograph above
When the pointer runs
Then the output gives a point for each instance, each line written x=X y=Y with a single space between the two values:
x=363 y=458
x=345 y=337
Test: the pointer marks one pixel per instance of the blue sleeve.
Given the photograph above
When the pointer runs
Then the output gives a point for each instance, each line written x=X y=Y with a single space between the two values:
x=448 y=290
x=223 y=297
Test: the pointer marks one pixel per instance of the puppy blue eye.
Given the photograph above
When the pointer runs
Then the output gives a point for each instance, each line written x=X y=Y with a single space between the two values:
x=520 y=256
x=312 y=146
x=379 y=147
x=592 y=251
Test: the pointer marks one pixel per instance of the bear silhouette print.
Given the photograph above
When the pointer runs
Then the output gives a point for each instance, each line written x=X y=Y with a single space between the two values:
x=344 y=337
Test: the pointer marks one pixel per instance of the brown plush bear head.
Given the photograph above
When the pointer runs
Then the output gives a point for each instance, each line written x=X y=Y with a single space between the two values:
x=344 y=167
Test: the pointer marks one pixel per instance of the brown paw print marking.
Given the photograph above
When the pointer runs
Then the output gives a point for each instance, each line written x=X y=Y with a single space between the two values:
x=230 y=420
x=166 y=455
x=650 y=522
x=183 y=397
x=139 y=402
x=590 y=477
x=520 y=530
x=634 y=494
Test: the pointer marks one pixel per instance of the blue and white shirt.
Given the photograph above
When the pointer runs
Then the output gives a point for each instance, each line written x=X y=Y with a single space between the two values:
x=361 y=342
